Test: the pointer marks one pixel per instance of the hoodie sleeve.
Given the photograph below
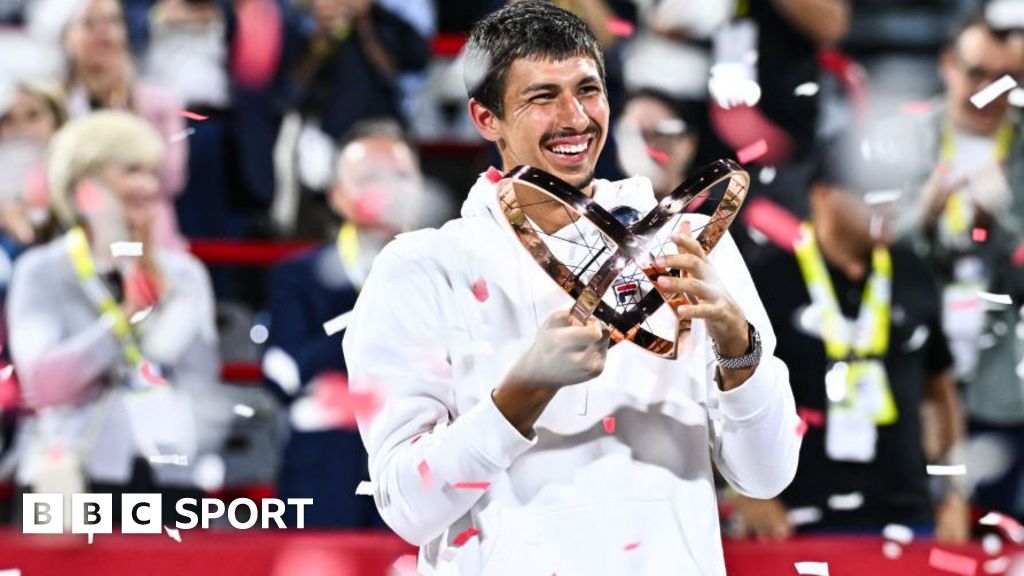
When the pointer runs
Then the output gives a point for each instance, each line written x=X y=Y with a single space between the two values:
x=418 y=444
x=754 y=440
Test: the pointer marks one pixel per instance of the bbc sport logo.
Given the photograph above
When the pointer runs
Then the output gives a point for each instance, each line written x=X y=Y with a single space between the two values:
x=142 y=513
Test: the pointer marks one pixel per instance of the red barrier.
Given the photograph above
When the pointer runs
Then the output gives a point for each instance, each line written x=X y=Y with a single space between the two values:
x=275 y=553
x=246 y=252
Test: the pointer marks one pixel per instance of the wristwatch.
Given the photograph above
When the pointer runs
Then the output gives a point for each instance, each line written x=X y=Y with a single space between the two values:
x=749 y=360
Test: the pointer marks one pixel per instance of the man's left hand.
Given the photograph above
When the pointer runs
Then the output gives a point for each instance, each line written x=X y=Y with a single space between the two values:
x=952 y=520
x=726 y=323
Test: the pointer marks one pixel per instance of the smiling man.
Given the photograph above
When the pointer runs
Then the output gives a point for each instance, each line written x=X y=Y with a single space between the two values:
x=480 y=452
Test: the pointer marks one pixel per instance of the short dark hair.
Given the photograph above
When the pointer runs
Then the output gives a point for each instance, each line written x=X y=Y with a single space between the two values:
x=976 y=19
x=376 y=128
x=534 y=29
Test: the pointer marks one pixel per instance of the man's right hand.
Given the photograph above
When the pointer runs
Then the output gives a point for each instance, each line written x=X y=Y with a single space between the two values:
x=562 y=354
x=761 y=519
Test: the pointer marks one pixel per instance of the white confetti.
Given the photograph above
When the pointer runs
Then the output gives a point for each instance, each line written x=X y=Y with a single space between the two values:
x=992 y=544
x=806 y=89
x=173 y=533
x=172 y=459
x=10 y=572
x=182 y=135
x=209 y=472
x=140 y=315
x=898 y=533
x=244 y=411
x=850 y=501
x=876 y=197
x=259 y=334
x=337 y=324
x=947 y=470
x=986 y=95
x=767 y=175
x=1002 y=299
x=812 y=568
x=892 y=550
x=118 y=249
x=281 y=368
x=366 y=488
x=804 y=515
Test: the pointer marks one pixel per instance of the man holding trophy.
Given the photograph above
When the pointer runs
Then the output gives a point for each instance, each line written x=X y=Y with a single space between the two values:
x=516 y=432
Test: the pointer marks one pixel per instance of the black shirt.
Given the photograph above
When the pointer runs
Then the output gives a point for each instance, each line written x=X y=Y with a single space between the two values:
x=895 y=484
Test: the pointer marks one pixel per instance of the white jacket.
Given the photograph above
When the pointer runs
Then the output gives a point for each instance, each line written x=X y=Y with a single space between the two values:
x=575 y=499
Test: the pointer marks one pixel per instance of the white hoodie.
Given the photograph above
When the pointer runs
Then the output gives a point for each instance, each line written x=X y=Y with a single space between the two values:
x=575 y=499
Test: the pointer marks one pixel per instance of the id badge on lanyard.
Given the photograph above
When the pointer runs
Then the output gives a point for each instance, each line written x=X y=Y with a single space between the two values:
x=859 y=401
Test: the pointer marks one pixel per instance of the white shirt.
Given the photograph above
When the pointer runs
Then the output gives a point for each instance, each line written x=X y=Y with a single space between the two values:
x=573 y=498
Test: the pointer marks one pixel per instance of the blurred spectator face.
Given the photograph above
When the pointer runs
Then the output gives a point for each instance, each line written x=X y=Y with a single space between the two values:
x=653 y=142
x=379 y=184
x=97 y=35
x=29 y=117
x=136 y=186
x=976 y=60
x=555 y=118
x=331 y=14
x=849 y=217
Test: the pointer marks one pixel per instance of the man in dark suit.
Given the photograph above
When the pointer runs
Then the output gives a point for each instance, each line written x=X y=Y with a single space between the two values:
x=377 y=192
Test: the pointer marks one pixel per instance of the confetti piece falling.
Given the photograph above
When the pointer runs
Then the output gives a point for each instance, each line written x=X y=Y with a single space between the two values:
x=1010 y=527
x=898 y=533
x=850 y=501
x=192 y=115
x=621 y=28
x=752 y=152
x=892 y=550
x=801 y=428
x=814 y=418
x=923 y=107
x=812 y=568
x=10 y=572
x=493 y=175
x=767 y=175
x=631 y=546
x=173 y=533
x=140 y=315
x=405 y=566
x=244 y=411
x=118 y=249
x=803 y=515
x=182 y=135
x=1003 y=299
x=464 y=536
x=949 y=562
x=149 y=376
x=471 y=485
x=806 y=89
x=90 y=537
x=480 y=291
x=979 y=234
x=609 y=424
x=992 y=544
x=947 y=470
x=171 y=459
x=366 y=488
x=425 y=476
x=657 y=155
x=986 y=95
x=876 y=197
x=338 y=323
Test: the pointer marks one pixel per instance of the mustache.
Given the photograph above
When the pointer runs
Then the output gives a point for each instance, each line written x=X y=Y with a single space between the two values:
x=594 y=129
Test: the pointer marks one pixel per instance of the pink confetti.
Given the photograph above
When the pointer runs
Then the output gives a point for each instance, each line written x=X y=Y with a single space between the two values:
x=609 y=424
x=424 y=469
x=464 y=536
x=343 y=406
x=815 y=418
x=949 y=562
x=192 y=115
x=631 y=546
x=621 y=28
x=778 y=224
x=471 y=485
x=657 y=155
x=801 y=428
x=417 y=439
x=922 y=107
x=752 y=152
x=493 y=175
x=979 y=234
x=480 y=290
x=1010 y=527
x=1017 y=259
x=147 y=374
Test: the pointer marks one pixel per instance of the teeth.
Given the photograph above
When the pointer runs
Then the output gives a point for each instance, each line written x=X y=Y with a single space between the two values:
x=576 y=149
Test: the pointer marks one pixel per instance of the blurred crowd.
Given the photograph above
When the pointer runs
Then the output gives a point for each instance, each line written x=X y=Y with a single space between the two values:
x=883 y=227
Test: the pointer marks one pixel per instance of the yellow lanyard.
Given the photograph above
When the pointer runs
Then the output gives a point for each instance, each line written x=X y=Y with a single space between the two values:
x=348 y=250
x=85 y=269
x=871 y=337
x=956 y=213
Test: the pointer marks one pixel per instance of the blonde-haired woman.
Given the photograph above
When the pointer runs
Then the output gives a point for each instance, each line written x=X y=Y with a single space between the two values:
x=118 y=354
